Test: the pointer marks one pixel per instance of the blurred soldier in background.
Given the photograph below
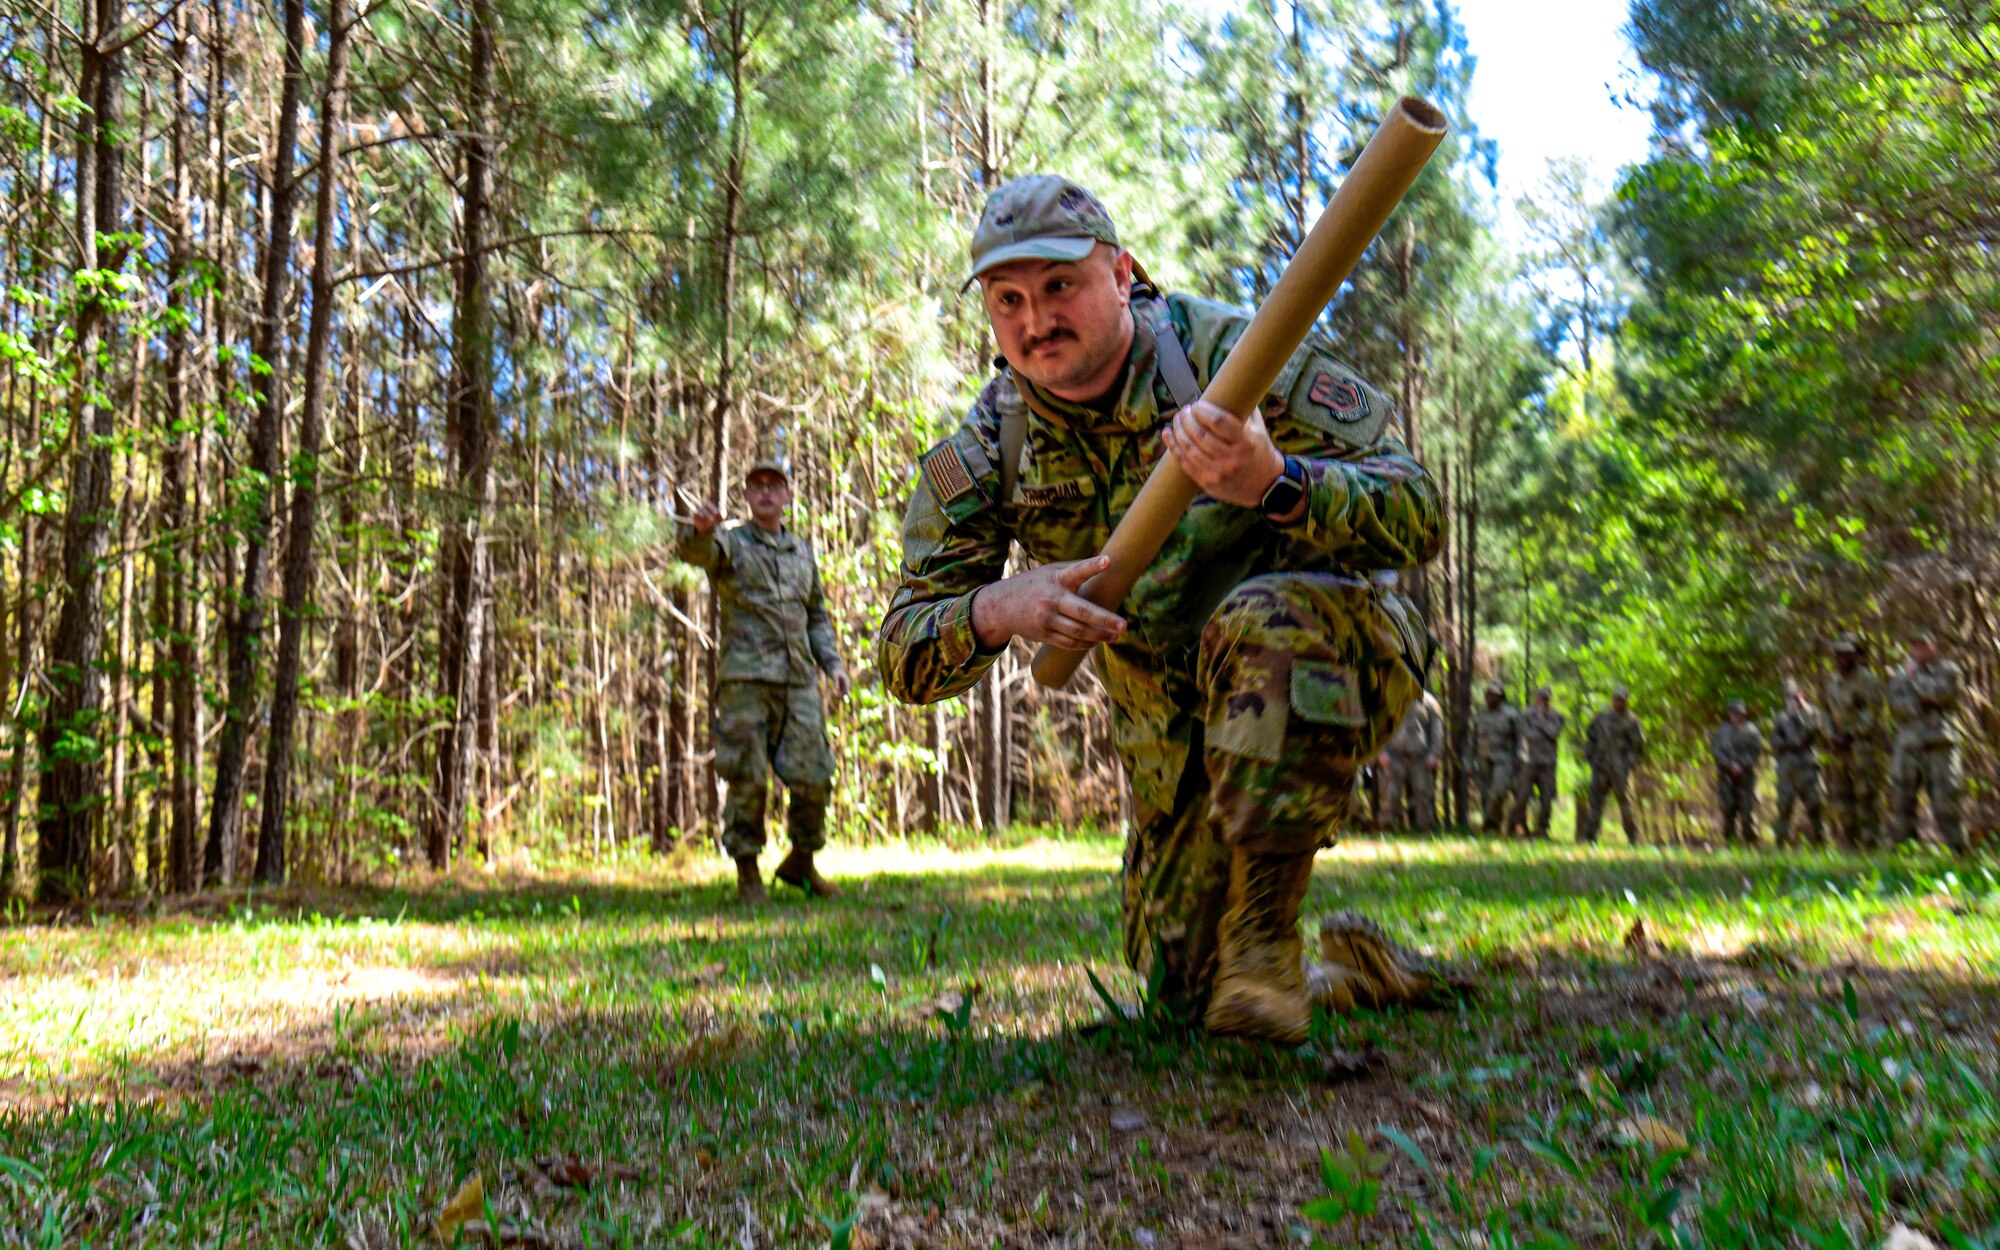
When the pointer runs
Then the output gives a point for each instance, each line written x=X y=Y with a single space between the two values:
x=776 y=641
x=1795 y=737
x=1612 y=747
x=1541 y=726
x=1496 y=744
x=1857 y=739
x=1736 y=746
x=1411 y=760
x=1923 y=698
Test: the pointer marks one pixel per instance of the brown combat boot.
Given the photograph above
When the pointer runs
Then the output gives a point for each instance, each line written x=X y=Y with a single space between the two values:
x=749 y=885
x=1260 y=985
x=1362 y=967
x=798 y=869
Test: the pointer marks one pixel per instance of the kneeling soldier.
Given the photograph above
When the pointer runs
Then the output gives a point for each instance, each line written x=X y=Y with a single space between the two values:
x=1256 y=664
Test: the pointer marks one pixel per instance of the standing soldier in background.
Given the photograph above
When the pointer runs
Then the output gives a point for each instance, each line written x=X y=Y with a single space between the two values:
x=776 y=641
x=1736 y=746
x=1795 y=737
x=1613 y=747
x=1411 y=759
x=1496 y=742
x=1857 y=734
x=1253 y=668
x=1923 y=697
x=1541 y=726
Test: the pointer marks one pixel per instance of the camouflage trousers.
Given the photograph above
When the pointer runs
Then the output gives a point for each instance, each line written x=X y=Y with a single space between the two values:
x=1736 y=799
x=1798 y=786
x=1855 y=782
x=1300 y=678
x=763 y=727
x=1605 y=782
x=1412 y=802
x=1538 y=781
x=1914 y=770
x=1496 y=790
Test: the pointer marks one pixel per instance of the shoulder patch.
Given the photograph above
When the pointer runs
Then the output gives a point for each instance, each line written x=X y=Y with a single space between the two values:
x=1332 y=398
x=952 y=472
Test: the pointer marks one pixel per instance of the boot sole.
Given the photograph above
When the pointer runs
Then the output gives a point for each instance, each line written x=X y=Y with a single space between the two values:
x=1242 y=1015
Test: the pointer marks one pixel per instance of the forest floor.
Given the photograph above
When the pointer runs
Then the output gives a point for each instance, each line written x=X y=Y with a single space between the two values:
x=1669 y=1047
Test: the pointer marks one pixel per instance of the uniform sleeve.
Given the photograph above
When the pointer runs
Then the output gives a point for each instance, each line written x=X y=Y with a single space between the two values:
x=1369 y=503
x=819 y=629
x=704 y=551
x=1938 y=687
x=1715 y=751
x=954 y=542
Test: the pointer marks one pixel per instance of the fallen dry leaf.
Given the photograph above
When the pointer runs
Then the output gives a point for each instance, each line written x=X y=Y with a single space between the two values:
x=567 y=1171
x=1597 y=1089
x=1659 y=1134
x=1638 y=941
x=1903 y=1237
x=468 y=1203
x=1125 y=1120
x=245 y=1065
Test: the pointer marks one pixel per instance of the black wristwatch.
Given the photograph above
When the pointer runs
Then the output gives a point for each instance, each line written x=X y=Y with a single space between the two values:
x=1285 y=493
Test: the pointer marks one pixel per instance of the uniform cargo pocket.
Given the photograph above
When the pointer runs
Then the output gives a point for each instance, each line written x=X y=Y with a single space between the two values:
x=1326 y=694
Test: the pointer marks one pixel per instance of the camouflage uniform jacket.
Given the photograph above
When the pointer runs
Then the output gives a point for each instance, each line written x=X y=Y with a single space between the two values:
x=1541 y=727
x=1614 y=741
x=1496 y=733
x=1369 y=505
x=1736 y=746
x=774 y=622
x=1421 y=735
x=1854 y=713
x=1795 y=731
x=1925 y=701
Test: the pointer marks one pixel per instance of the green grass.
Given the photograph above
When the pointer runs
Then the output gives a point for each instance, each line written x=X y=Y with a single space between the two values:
x=327 y=1069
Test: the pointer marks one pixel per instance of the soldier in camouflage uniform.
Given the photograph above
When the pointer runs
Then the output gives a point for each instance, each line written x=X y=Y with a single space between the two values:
x=1411 y=759
x=1923 y=697
x=1857 y=738
x=1612 y=746
x=776 y=641
x=1736 y=746
x=1541 y=727
x=1795 y=738
x=1254 y=666
x=1496 y=756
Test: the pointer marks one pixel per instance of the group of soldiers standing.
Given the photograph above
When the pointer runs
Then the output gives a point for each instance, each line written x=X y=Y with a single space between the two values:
x=1512 y=761
x=1897 y=738
x=1903 y=731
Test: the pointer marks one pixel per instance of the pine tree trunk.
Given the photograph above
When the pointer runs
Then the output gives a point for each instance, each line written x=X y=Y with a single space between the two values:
x=461 y=638
x=71 y=792
x=292 y=622
x=269 y=341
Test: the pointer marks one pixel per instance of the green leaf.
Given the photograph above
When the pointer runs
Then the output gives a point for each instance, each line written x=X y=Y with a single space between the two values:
x=1410 y=1148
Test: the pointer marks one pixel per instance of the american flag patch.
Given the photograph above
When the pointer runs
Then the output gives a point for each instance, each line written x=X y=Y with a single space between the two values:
x=944 y=469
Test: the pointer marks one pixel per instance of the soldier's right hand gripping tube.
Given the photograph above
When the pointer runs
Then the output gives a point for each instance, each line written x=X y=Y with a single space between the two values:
x=1372 y=189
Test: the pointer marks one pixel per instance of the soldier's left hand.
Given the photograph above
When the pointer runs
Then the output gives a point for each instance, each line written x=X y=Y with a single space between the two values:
x=842 y=685
x=1231 y=458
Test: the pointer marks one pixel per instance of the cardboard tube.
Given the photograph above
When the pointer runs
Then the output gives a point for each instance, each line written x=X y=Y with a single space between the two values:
x=1372 y=189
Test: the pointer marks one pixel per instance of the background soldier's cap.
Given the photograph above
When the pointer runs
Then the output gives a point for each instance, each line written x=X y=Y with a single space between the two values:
x=1845 y=645
x=1038 y=217
x=1494 y=687
x=1737 y=705
x=1621 y=692
x=769 y=464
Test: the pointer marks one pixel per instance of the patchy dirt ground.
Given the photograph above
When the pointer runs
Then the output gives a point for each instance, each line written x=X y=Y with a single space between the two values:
x=1667 y=1048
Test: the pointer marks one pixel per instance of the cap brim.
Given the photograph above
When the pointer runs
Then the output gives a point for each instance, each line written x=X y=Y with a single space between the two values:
x=1047 y=247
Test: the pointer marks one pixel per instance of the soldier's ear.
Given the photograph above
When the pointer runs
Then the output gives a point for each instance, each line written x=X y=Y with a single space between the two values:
x=1121 y=275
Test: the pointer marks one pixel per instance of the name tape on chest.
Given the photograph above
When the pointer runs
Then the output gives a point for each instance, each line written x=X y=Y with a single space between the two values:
x=1056 y=492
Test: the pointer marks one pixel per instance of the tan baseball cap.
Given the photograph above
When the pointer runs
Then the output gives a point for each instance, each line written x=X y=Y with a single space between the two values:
x=768 y=464
x=1038 y=217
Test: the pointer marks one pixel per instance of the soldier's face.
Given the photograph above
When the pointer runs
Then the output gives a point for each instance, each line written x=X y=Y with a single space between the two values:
x=1923 y=652
x=1619 y=704
x=768 y=496
x=1065 y=325
x=1493 y=698
x=1845 y=661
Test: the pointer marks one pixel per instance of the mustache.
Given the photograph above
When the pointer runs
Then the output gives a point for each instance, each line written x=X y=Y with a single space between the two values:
x=1053 y=336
